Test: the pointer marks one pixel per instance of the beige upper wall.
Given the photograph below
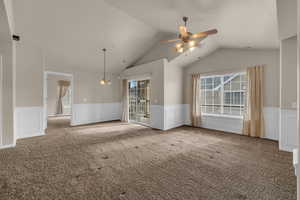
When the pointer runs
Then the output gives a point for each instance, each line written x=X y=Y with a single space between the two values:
x=287 y=18
x=225 y=59
x=87 y=88
x=30 y=75
x=154 y=70
x=173 y=78
x=288 y=73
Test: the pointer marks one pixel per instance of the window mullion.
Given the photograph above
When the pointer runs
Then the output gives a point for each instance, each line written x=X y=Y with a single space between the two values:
x=222 y=95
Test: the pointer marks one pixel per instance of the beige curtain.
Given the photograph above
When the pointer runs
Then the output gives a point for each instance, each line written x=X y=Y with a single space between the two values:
x=253 y=117
x=195 y=104
x=125 y=114
x=63 y=88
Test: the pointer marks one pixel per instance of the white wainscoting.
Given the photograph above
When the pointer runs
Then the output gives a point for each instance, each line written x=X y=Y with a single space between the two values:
x=28 y=122
x=235 y=125
x=271 y=118
x=93 y=113
x=288 y=130
x=174 y=115
x=157 y=116
x=227 y=124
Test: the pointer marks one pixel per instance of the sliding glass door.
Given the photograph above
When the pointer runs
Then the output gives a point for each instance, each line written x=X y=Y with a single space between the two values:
x=139 y=101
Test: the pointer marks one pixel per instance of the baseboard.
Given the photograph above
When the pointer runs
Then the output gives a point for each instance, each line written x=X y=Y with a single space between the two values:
x=92 y=122
x=7 y=146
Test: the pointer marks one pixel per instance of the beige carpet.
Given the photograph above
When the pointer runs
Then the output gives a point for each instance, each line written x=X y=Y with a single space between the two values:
x=111 y=161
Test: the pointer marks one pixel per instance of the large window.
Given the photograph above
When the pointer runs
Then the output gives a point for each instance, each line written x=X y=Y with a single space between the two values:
x=223 y=94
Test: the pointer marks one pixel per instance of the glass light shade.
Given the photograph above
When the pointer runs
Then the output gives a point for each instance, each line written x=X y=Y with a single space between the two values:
x=102 y=82
x=192 y=43
x=180 y=50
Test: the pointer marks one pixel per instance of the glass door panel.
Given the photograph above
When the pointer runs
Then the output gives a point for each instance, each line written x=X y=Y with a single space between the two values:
x=139 y=101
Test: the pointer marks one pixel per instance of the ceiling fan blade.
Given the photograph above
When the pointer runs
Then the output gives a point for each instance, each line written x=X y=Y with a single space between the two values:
x=173 y=40
x=204 y=34
x=183 y=31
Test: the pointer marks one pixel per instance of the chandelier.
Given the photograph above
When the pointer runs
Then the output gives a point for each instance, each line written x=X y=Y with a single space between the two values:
x=104 y=81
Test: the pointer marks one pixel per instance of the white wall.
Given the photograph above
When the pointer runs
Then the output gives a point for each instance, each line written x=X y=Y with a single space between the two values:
x=7 y=51
x=288 y=94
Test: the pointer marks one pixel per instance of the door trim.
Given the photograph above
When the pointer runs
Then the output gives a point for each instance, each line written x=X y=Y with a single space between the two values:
x=45 y=112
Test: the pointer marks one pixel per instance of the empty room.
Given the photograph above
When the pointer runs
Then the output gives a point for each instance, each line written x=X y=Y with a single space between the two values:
x=143 y=100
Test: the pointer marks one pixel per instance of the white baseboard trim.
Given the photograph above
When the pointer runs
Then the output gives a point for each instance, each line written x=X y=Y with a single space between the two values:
x=94 y=113
x=7 y=146
x=28 y=122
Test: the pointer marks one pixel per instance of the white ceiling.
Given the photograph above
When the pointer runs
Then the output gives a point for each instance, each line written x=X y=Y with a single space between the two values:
x=241 y=23
x=72 y=33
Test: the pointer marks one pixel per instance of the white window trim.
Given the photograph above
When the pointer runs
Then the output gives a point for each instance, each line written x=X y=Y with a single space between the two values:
x=222 y=115
x=222 y=96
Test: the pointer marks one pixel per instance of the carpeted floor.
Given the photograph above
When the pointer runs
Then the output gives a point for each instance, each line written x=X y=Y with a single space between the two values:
x=111 y=161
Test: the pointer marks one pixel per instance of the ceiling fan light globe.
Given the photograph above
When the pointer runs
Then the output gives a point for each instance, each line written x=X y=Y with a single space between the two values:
x=192 y=48
x=192 y=43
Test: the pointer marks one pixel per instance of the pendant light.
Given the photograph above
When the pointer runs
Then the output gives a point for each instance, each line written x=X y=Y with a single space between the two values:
x=104 y=81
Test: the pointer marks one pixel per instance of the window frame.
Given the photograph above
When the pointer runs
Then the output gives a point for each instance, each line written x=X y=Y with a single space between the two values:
x=222 y=93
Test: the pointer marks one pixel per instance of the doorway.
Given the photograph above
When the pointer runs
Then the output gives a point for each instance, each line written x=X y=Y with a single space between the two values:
x=58 y=99
x=139 y=101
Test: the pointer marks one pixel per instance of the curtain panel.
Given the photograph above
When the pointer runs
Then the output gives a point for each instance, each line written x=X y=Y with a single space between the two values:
x=125 y=112
x=253 y=116
x=62 y=91
x=195 y=104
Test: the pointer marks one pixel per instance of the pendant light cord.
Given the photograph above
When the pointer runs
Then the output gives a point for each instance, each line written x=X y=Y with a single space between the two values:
x=104 y=62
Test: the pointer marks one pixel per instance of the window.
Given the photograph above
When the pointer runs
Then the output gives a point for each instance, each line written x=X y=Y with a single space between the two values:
x=66 y=102
x=223 y=94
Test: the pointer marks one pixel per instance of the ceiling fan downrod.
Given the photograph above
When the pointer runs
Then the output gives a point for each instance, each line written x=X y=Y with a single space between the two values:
x=185 y=19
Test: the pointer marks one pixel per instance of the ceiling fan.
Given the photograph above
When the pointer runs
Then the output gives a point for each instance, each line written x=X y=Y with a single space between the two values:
x=187 y=40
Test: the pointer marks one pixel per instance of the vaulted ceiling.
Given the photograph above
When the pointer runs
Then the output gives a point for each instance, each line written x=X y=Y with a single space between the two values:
x=241 y=23
x=72 y=33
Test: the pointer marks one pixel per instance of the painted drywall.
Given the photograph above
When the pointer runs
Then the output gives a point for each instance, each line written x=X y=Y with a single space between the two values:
x=7 y=51
x=173 y=84
x=288 y=73
x=29 y=75
x=52 y=92
x=154 y=70
x=287 y=18
x=226 y=59
x=10 y=15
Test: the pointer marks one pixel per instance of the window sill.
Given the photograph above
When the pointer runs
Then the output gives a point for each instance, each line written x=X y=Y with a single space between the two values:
x=223 y=116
